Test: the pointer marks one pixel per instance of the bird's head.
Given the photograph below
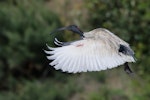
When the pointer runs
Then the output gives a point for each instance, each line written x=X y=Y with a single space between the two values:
x=72 y=28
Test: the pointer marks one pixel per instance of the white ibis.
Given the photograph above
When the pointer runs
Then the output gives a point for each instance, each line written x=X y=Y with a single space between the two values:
x=97 y=50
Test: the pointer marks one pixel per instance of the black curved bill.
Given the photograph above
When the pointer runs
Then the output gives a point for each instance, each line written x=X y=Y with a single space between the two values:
x=59 y=29
x=72 y=28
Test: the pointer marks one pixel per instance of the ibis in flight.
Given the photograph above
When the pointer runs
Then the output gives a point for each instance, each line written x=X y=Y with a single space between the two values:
x=96 y=50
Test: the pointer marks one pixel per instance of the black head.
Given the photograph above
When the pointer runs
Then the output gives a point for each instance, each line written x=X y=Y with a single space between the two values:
x=72 y=28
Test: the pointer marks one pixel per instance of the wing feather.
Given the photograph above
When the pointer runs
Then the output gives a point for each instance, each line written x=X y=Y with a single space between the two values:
x=86 y=55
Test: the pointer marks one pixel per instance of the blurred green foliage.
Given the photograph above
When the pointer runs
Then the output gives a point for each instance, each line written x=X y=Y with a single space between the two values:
x=43 y=90
x=107 y=94
x=24 y=30
x=25 y=26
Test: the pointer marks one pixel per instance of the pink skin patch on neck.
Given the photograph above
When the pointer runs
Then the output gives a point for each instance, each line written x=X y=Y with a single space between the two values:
x=79 y=45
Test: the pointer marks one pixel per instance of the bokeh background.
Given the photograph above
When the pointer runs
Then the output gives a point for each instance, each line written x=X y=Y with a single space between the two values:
x=25 y=27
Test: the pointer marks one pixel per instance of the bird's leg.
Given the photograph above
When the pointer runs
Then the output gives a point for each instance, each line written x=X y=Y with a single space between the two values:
x=127 y=68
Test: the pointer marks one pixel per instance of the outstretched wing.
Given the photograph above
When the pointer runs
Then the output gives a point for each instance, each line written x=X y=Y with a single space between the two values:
x=86 y=55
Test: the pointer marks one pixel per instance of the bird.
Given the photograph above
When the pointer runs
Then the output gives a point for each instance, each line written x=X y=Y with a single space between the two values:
x=96 y=50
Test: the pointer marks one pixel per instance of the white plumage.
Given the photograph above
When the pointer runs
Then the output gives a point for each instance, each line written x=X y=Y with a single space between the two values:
x=98 y=50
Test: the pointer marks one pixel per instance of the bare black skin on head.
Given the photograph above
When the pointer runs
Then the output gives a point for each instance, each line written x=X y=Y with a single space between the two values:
x=72 y=28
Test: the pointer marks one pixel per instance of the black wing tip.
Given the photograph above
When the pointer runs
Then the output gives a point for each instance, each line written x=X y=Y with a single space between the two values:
x=126 y=50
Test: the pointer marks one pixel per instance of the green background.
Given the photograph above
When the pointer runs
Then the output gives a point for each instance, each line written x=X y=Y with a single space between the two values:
x=25 y=27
